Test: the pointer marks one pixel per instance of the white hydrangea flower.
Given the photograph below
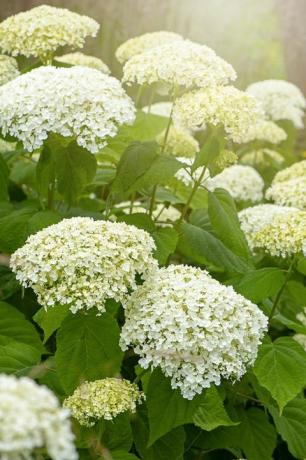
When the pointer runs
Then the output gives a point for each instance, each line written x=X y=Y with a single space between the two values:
x=81 y=262
x=256 y=219
x=8 y=69
x=191 y=326
x=227 y=106
x=137 y=45
x=163 y=109
x=75 y=101
x=280 y=99
x=266 y=131
x=103 y=399
x=41 y=30
x=180 y=142
x=166 y=215
x=181 y=63
x=84 y=60
x=32 y=418
x=289 y=193
x=292 y=172
x=262 y=157
x=242 y=182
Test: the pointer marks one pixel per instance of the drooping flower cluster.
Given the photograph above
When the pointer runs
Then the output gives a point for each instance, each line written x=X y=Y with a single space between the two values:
x=262 y=158
x=41 y=30
x=81 y=262
x=84 y=60
x=197 y=330
x=180 y=143
x=280 y=99
x=32 y=418
x=289 y=193
x=103 y=399
x=224 y=106
x=278 y=230
x=242 y=182
x=138 y=45
x=75 y=101
x=8 y=69
x=266 y=131
x=180 y=63
x=163 y=109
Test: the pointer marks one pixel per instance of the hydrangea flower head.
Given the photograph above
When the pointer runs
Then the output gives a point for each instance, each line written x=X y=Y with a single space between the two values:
x=81 y=262
x=103 y=399
x=266 y=131
x=180 y=143
x=291 y=172
x=84 y=60
x=39 y=32
x=8 y=69
x=192 y=327
x=79 y=102
x=263 y=158
x=32 y=418
x=289 y=193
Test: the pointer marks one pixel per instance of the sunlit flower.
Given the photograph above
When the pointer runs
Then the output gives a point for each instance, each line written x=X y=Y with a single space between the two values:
x=263 y=158
x=84 y=60
x=224 y=106
x=280 y=99
x=192 y=327
x=103 y=399
x=289 y=193
x=8 y=69
x=144 y=42
x=81 y=262
x=242 y=182
x=32 y=418
x=76 y=101
x=180 y=63
x=180 y=143
x=266 y=131
x=41 y=30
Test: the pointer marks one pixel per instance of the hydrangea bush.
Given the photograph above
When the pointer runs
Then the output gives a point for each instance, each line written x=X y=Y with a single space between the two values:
x=152 y=251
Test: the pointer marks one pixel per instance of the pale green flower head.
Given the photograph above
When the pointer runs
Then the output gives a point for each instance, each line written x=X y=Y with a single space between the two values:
x=289 y=193
x=84 y=60
x=8 y=69
x=180 y=143
x=292 y=172
x=262 y=157
x=266 y=131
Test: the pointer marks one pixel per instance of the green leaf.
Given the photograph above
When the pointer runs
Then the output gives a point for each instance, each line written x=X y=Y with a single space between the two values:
x=166 y=240
x=258 y=285
x=20 y=345
x=122 y=455
x=208 y=153
x=281 y=369
x=45 y=170
x=87 y=349
x=51 y=319
x=292 y=426
x=118 y=433
x=224 y=220
x=146 y=127
x=205 y=249
x=4 y=175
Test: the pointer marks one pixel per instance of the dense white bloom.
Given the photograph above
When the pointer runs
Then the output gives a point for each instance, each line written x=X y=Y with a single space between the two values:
x=144 y=42
x=242 y=182
x=163 y=109
x=292 y=172
x=180 y=63
x=266 y=131
x=180 y=143
x=280 y=99
x=289 y=193
x=8 y=69
x=41 y=30
x=81 y=262
x=31 y=418
x=103 y=399
x=262 y=158
x=223 y=106
x=75 y=101
x=193 y=327
x=84 y=60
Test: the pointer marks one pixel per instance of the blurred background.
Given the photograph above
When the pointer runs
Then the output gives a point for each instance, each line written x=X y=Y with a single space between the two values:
x=260 y=38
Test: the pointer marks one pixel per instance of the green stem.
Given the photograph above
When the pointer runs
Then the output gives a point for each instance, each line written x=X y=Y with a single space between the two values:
x=137 y=379
x=152 y=93
x=280 y=292
x=152 y=202
x=193 y=191
x=132 y=203
x=138 y=96
x=51 y=190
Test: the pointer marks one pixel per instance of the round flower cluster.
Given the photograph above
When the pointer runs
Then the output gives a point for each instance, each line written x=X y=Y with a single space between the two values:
x=262 y=157
x=81 y=262
x=103 y=399
x=266 y=131
x=227 y=106
x=31 y=418
x=193 y=327
x=255 y=219
x=180 y=63
x=75 y=101
x=179 y=143
x=41 y=30
x=166 y=215
x=292 y=172
x=138 y=45
x=8 y=69
x=84 y=60
x=289 y=193
x=280 y=99
x=163 y=109
x=242 y=182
